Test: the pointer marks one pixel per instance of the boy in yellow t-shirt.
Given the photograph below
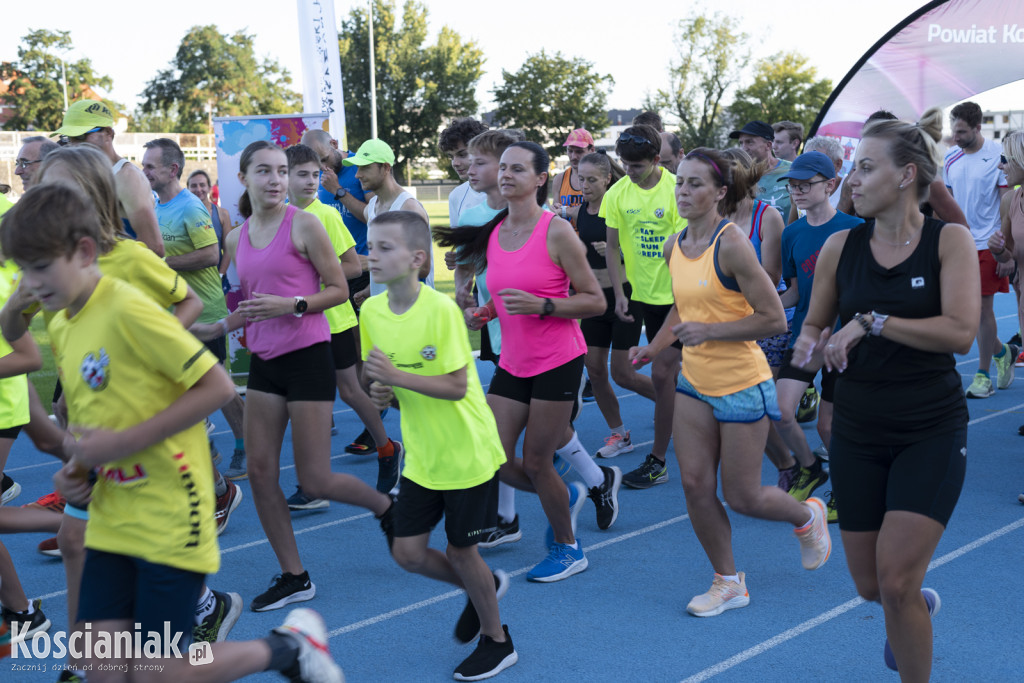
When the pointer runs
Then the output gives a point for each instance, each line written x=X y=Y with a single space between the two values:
x=416 y=349
x=138 y=387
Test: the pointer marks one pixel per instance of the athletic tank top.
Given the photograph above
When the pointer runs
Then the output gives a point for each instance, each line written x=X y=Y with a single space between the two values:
x=756 y=235
x=566 y=195
x=592 y=228
x=891 y=393
x=280 y=269
x=1017 y=220
x=704 y=294
x=530 y=345
x=372 y=210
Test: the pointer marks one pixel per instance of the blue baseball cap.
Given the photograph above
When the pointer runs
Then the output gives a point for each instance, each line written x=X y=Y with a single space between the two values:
x=808 y=165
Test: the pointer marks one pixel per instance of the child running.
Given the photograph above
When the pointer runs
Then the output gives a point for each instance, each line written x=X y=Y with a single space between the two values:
x=138 y=387
x=415 y=349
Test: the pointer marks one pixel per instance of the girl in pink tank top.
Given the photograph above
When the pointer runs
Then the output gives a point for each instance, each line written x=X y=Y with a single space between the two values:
x=724 y=301
x=531 y=258
x=282 y=256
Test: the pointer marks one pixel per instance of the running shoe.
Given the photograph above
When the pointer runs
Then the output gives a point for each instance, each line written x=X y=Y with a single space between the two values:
x=1020 y=497
x=807 y=411
x=1005 y=366
x=588 y=392
x=1015 y=340
x=236 y=470
x=226 y=504
x=284 y=589
x=467 y=629
x=806 y=481
x=651 y=472
x=209 y=426
x=833 y=512
x=214 y=454
x=562 y=466
x=9 y=490
x=24 y=626
x=300 y=501
x=1020 y=360
x=562 y=562
x=51 y=501
x=614 y=445
x=788 y=477
x=981 y=387
x=576 y=491
x=722 y=596
x=606 y=497
x=315 y=664
x=934 y=602
x=815 y=542
x=215 y=626
x=390 y=468
x=49 y=547
x=488 y=659
x=505 y=532
x=362 y=444
x=821 y=453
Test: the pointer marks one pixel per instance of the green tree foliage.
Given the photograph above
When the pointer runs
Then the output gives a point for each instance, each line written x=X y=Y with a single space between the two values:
x=214 y=74
x=550 y=95
x=37 y=89
x=419 y=87
x=785 y=88
x=711 y=59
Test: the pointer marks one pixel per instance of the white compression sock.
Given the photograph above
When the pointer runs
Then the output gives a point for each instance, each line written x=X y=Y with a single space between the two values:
x=577 y=456
x=506 y=502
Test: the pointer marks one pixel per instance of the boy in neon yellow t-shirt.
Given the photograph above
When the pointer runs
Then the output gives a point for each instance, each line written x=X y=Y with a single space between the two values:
x=416 y=349
x=138 y=387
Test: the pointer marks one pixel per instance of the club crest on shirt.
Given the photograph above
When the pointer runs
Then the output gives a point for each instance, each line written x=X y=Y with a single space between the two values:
x=659 y=213
x=916 y=282
x=429 y=352
x=94 y=370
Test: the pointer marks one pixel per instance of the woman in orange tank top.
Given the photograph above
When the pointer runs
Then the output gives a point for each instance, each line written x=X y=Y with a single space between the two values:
x=724 y=301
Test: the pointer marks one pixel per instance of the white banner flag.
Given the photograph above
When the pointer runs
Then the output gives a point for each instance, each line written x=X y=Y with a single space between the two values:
x=321 y=65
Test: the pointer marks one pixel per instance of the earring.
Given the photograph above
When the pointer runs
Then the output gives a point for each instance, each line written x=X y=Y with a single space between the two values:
x=901 y=186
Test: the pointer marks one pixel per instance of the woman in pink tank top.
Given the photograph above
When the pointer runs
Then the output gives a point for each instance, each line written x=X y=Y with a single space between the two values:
x=282 y=255
x=724 y=301
x=531 y=258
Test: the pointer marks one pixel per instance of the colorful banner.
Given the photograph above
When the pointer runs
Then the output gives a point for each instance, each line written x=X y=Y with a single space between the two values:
x=321 y=65
x=945 y=52
x=233 y=134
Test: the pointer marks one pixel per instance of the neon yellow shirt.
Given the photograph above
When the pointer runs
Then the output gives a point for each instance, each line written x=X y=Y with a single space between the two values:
x=135 y=263
x=449 y=444
x=5 y=204
x=13 y=390
x=341 y=317
x=644 y=219
x=122 y=359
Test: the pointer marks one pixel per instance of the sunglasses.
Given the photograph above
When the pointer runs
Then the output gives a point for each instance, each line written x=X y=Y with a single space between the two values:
x=635 y=139
x=1003 y=160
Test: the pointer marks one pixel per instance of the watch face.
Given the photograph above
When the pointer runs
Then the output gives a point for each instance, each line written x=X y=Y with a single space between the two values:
x=301 y=305
x=549 y=307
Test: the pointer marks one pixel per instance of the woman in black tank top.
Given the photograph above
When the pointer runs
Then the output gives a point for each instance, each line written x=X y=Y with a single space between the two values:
x=907 y=292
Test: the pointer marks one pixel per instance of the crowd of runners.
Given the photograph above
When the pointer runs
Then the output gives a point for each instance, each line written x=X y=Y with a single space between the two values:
x=763 y=286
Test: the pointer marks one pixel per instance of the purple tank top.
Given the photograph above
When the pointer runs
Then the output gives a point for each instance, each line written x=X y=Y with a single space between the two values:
x=280 y=269
x=529 y=345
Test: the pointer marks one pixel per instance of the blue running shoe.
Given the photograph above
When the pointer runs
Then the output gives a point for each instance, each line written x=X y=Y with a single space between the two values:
x=562 y=466
x=562 y=562
x=576 y=500
x=931 y=598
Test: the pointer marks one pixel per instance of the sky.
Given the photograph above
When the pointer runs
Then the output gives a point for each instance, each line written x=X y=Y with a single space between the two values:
x=131 y=51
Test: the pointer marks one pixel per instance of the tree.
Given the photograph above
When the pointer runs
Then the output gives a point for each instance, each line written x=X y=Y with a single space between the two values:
x=549 y=96
x=37 y=89
x=711 y=58
x=785 y=88
x=419 y=87
x=214 y=74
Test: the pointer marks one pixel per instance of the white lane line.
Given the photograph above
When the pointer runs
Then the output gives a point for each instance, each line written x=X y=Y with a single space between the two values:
x=839 y=610
x=386 y=616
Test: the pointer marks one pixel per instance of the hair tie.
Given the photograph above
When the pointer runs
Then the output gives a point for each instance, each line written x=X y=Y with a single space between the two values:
x=710 y=161
x=603 y=151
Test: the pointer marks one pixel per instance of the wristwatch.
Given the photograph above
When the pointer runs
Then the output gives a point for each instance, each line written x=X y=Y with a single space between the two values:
x=877 y=321
x=300 y=306
x=549 y=308
x=339 y=193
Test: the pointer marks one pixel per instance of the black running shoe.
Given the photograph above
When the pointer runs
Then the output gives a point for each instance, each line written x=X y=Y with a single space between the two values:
x=389 y=469
x=488 y=659
x=468 y=627
x=284 y=589
x=362 y=444
x=23 y=626
x=606 y=497
x=216 y=625
x=504 y=532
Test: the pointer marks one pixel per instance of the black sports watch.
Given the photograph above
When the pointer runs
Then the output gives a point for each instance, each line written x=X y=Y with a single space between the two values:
x=300 y=306
x=339 y=193
x=549 y=308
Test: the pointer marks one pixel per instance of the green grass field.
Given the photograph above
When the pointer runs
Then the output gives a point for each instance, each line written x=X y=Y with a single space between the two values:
x=45 y=378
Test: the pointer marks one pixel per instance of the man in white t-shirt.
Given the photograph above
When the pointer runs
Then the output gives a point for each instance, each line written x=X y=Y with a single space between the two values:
x=972 y=175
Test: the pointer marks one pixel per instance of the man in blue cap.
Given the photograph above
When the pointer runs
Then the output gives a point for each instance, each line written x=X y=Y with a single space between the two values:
x=756 y=138
x=810 y=181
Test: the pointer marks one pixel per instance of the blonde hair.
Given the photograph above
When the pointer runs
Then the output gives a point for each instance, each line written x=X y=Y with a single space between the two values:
x=1013 y=147
x=92 y=174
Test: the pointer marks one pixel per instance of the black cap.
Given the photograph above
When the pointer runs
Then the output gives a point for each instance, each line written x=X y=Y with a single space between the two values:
x=756 y=128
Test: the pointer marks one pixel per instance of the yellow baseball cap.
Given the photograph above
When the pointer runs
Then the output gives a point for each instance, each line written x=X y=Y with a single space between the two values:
x=84 y=115
x=371 y=152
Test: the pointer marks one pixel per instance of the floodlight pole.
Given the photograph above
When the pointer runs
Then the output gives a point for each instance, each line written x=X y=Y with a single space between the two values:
x=64 y=79
x=373 y=81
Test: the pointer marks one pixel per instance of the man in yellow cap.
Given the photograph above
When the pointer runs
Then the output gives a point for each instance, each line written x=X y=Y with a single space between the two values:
x=375 y=160
x=91 y=121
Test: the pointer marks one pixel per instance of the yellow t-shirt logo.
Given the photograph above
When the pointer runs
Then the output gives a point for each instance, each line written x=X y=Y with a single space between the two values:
x=95 y=371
